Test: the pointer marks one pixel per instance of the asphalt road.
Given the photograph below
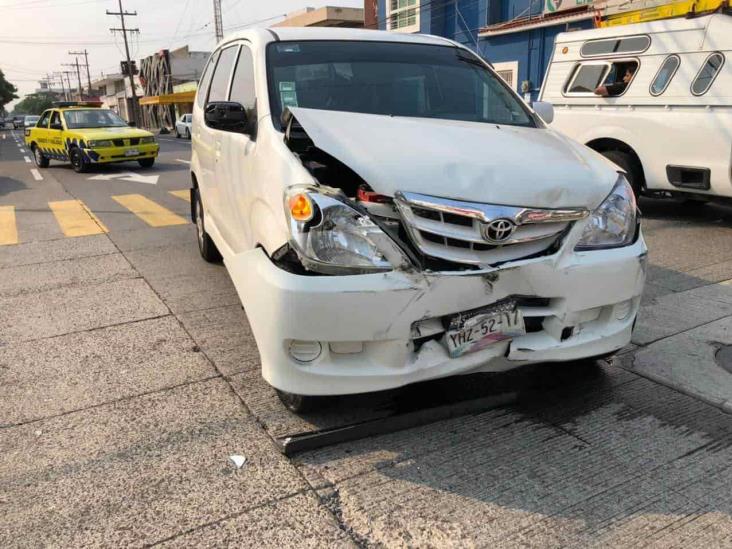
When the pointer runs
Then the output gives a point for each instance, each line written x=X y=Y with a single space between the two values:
x=129 y=376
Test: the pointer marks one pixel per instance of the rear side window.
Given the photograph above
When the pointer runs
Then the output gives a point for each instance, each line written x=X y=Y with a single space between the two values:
x=615 y=46
x=242 y=86
x=587 y=77
x=665 y=74
x=205 y=79
x=56 y=119
x=707 y=74
x=219 y=90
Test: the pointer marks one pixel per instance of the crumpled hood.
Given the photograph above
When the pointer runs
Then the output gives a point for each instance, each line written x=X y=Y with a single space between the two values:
x=468 y=161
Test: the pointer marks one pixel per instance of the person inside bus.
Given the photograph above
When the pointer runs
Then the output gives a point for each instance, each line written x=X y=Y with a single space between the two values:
x=617 y=88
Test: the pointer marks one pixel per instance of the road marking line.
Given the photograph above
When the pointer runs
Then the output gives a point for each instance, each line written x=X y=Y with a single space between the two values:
x=27 y=159
x=22 y=150
x=8 y=230
x=36 y=174
x=75 y=219
x=150 y=212
x=184 y=161
x=185 y=194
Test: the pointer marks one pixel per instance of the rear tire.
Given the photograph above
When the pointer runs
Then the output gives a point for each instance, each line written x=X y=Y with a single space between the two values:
x=77 y=160
x=146 y=162
x=40 y=158
x=298 y=404
x=630 y=165
x=207 y=248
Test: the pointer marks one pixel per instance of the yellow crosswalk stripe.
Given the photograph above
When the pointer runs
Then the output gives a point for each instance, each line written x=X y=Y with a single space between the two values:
x=75 y=219
x=8 y=230
x=150 y=212
x=185 y=194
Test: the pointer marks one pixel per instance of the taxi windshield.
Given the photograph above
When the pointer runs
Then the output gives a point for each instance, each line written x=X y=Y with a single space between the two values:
x=92 y=118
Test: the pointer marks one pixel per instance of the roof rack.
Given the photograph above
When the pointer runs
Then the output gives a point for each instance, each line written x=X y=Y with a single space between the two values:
x=62 y=104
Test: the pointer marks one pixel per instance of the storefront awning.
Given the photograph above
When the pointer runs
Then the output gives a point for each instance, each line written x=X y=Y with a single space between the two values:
x=537 y=22
x=169 y=99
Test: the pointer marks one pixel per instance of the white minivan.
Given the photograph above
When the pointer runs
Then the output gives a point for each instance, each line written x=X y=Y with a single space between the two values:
x=390 y=211
x=670 y=127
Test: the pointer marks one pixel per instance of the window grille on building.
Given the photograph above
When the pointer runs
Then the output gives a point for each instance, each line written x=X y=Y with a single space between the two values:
x=404 y=15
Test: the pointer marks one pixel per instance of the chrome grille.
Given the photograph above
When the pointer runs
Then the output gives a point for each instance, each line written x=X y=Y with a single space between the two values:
x=456 y=230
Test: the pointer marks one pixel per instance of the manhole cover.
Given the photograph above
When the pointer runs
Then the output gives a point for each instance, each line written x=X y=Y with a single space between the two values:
x=724 y=357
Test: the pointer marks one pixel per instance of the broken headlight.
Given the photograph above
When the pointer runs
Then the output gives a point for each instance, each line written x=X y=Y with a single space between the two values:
x=613 y=223
x=331 y=237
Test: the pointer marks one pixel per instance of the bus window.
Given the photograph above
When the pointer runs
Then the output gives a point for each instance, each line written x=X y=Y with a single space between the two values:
x=615 y=46
x=707 y=74
x=587 y=77
x=667 y=71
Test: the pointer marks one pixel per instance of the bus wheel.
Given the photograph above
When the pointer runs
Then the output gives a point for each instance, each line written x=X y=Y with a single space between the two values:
x=631 y=167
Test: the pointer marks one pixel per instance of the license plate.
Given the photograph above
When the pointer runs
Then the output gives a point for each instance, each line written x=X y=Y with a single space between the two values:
x=132 y=152
x=484 y=328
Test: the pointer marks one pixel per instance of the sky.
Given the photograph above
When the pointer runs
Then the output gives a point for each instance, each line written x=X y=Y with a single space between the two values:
x=36 y=35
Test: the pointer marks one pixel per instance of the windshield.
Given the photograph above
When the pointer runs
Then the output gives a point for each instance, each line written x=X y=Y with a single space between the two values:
x=397 y=79
x=32 y=118
x=92 y=118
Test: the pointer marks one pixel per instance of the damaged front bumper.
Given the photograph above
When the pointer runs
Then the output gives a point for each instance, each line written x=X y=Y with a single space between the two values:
x=328 y=335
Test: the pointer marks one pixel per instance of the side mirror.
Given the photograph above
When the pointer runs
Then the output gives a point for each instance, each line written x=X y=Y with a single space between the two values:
x=227 y=116
x=545 y=110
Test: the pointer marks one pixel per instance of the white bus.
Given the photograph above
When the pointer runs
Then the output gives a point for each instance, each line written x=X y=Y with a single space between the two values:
x=670 y=128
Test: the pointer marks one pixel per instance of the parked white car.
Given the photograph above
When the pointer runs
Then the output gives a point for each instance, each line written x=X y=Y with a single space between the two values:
x=670 y=128
x=390 y=212
x=183 y=126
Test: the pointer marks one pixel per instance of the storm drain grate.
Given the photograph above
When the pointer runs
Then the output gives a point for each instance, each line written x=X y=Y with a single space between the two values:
x=723 y=357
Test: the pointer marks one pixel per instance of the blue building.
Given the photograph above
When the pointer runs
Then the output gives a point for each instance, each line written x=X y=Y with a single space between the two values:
x=517 y=36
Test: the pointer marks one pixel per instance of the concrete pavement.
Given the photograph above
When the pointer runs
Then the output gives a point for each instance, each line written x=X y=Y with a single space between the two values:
x=128 y=376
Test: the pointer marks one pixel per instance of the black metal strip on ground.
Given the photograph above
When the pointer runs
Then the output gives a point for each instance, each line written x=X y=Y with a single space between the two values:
x=312 y=440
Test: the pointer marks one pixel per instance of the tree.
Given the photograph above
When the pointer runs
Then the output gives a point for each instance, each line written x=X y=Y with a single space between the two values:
x=7 y=91
x=35 y=103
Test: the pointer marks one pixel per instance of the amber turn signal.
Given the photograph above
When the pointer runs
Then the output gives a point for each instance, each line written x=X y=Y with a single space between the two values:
x=301 y=207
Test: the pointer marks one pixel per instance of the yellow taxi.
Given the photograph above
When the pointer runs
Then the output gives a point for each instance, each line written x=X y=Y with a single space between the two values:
x=85 y=134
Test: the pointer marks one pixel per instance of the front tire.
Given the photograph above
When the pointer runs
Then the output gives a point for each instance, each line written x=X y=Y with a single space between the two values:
x=298 y=404
x=40 y=158
x=77 y=160
x=146 y=162
x=177 y=133
x=630 y=165
x=207 y=248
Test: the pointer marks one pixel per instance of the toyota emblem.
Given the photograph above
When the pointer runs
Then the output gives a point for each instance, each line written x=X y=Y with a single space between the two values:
x=498 y=230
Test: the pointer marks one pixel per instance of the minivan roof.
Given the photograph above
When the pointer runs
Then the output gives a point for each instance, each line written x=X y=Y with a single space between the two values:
x=652 y=27
x=263 y=36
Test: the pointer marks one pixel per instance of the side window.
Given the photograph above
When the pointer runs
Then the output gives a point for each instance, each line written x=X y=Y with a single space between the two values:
x=219 y=90
x=707 y=74
x=667 y=71
x=615 y=46
x=242 y=87
x=43 y=122
x=56 y=120
x=587 y=77
x=205 y=79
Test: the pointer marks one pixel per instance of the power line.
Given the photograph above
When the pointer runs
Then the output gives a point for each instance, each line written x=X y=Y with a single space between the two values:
x=86 y=63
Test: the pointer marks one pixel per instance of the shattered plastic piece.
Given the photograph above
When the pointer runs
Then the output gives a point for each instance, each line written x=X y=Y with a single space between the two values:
x=238 y=460
x=38 y=433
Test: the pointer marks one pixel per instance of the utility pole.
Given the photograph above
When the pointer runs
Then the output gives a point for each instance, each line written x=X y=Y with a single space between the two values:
x=86 y=64
x=78 y=75
x=218 y=25
x=63 y=88
x=124 y=32
x=68 y=81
